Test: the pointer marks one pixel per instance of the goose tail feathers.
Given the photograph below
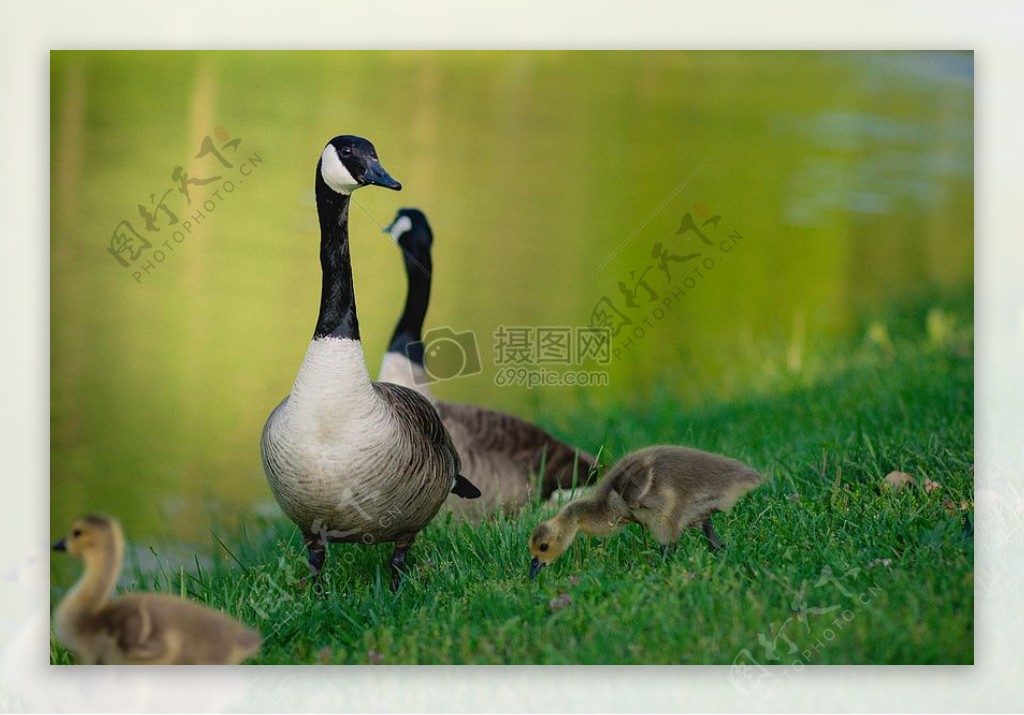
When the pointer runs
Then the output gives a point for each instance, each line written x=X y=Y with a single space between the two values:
x=465 y=488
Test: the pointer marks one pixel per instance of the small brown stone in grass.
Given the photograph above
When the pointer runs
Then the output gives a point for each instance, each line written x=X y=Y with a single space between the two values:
x=897 y=480
x=557 y=604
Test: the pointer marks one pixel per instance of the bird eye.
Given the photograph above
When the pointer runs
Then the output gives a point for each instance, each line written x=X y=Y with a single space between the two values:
x=76 y=533
x=346 y=150
x=543 y=547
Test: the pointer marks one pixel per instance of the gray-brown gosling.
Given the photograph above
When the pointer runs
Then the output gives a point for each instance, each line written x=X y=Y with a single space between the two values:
x=138 y=628
x=500 y=452
x=665 y=488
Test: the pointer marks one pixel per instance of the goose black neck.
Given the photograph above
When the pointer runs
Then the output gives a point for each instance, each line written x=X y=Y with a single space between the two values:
x=337 y=317
x=408 y=336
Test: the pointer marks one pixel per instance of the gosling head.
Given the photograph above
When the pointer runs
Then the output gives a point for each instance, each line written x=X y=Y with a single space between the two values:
x=90 y=534
x=411 y=231
x=348 y=163
x=549 y=541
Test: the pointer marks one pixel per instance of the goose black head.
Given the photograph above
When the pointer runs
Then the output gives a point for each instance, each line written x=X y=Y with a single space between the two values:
x=349 y=162
x=411 y=231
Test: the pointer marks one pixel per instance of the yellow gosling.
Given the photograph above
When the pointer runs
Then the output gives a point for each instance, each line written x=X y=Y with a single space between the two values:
x=140 y=628
x=665 y=488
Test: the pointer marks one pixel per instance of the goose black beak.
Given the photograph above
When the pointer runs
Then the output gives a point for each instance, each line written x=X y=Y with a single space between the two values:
x=375 y=174
x=535 y=566
x=61 y=545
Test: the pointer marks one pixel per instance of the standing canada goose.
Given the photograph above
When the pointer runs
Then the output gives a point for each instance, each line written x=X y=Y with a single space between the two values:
x=665 y=488
x=499 y=452
x=349 y=459
x=139 y=628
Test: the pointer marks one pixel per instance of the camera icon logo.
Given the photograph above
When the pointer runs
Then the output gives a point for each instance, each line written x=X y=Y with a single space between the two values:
x=446 y=354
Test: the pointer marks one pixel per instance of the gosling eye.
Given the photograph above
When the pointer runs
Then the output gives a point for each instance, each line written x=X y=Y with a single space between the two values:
x=76 y=533
x=543 y=547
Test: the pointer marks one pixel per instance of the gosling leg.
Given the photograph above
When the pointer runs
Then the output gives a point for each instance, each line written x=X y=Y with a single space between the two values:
x=714 y=542
x=398 y=562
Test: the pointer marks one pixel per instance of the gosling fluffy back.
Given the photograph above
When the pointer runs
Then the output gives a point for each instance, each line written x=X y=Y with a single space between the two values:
x=680 y=483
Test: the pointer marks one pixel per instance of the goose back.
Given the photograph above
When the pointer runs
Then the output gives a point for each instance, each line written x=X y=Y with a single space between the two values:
x=503 y=455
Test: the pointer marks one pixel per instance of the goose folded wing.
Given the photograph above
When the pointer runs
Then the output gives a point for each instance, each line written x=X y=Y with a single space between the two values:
x=421 y=420
x=523 y=442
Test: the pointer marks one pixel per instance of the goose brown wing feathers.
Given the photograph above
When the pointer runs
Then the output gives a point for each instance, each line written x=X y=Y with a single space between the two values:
x=523 y=443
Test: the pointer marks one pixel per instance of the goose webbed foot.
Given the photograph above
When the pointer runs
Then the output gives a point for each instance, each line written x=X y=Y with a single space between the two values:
x=715 y=543
x=317 y=556
x=398 y=565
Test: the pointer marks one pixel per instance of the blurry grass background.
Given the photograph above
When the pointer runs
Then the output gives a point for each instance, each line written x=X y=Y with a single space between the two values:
x=849 y=176
x=823 y=563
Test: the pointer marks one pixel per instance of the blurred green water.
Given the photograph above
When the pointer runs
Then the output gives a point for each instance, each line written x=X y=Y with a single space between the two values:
x=548 y=179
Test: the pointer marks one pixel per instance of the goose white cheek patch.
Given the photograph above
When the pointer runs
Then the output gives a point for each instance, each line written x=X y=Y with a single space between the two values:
x=399 y=227
x=335 y=173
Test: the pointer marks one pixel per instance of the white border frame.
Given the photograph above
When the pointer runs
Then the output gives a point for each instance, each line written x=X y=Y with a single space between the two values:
x=30 y=30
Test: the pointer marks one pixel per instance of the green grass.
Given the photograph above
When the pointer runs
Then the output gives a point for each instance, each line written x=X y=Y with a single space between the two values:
x=902 y=562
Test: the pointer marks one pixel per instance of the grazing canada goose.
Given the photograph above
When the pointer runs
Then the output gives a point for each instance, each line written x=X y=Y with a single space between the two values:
x=499 y=452
x=138 y=628
x=349 y=459
x=665 y=488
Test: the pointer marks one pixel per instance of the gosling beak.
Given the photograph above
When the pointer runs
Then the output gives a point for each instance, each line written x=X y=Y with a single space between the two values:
x=375 y=174
x=535 y=566
x=61 y=545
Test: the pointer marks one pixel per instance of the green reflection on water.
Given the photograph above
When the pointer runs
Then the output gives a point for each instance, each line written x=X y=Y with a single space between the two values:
x=848 y=176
